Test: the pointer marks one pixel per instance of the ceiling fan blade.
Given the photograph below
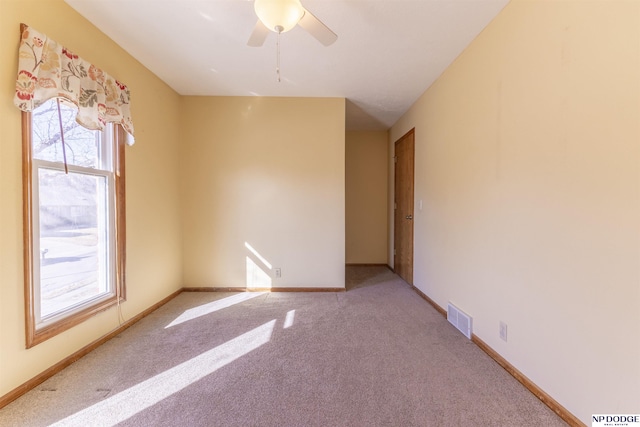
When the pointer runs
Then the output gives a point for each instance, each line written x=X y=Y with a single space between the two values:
x=259 y=35
x=317 y=29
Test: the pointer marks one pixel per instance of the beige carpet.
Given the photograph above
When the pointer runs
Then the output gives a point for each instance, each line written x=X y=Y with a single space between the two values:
x=376 y=355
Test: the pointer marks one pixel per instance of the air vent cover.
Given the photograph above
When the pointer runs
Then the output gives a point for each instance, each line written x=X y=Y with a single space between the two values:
x=459 y=319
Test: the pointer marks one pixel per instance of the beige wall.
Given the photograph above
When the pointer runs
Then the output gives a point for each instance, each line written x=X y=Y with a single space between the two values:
x=267 y=172
x=153 y=227
x=527 y=160
x=366 y=197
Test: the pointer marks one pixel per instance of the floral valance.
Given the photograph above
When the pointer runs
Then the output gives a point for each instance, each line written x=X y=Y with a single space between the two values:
x=47 y=70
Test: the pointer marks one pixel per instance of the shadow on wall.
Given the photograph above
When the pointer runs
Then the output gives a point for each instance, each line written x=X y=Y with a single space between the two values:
x=358 y=119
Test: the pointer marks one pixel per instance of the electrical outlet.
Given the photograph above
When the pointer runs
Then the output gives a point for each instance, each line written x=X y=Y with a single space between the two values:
x=278 y=273
x=503 y=331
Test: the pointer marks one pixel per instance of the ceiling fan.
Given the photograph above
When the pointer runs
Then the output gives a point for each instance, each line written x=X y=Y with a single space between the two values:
x=281 y=16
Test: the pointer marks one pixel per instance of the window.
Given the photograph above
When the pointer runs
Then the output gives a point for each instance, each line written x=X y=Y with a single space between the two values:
x=73 y=220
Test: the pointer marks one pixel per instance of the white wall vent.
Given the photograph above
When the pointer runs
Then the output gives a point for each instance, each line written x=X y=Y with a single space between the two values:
x=459 y=319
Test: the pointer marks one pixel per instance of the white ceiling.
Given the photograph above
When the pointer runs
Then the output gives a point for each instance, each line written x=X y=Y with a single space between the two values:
x=387 y=54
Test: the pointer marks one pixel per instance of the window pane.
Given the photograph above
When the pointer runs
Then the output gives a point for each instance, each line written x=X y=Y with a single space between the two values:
x=73 y=239
x=82 y=145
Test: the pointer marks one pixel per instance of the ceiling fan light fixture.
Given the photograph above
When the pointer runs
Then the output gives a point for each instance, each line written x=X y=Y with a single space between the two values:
x=279 y=15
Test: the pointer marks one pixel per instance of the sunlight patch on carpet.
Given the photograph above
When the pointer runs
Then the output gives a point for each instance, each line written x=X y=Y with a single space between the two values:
x=288 y=321
x=128 y=403
x=203 y=310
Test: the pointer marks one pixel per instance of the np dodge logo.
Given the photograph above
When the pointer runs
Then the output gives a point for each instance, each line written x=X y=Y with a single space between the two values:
x=610 y=420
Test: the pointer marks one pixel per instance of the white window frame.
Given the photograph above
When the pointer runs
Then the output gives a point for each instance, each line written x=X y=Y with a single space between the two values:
x=38 y=328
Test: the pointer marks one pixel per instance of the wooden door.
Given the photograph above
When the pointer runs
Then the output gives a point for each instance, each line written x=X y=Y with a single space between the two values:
x=403 y=212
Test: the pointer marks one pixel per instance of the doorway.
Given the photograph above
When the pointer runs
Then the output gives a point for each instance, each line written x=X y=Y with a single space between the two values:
x=403 y=207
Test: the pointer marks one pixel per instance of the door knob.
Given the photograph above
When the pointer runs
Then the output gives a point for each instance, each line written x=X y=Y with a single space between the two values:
x=409 y=217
